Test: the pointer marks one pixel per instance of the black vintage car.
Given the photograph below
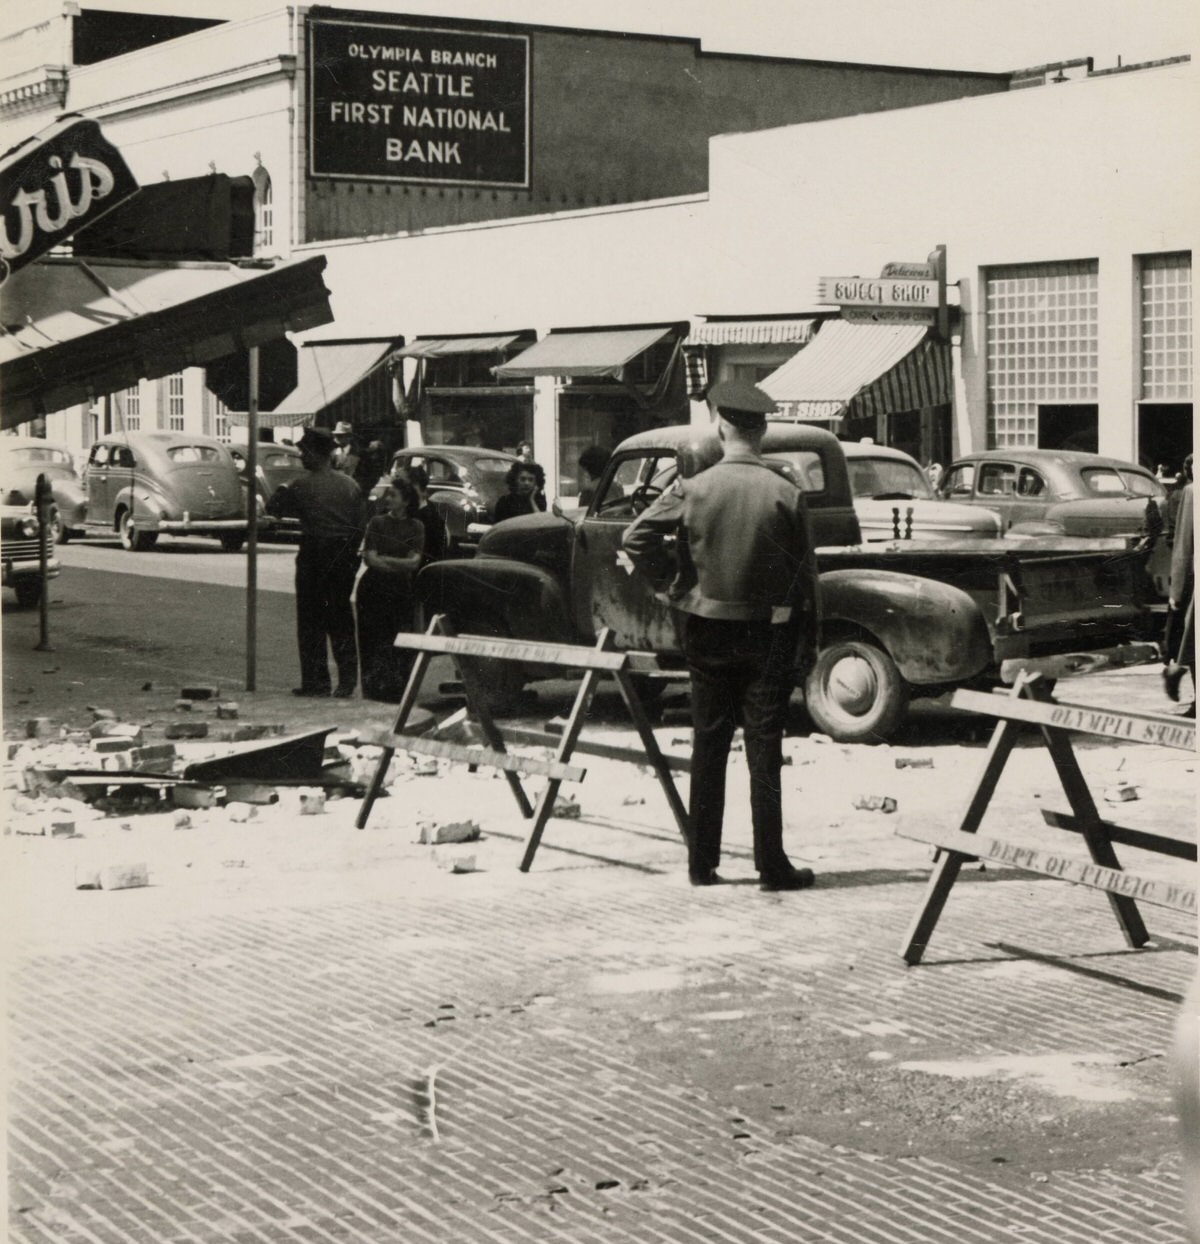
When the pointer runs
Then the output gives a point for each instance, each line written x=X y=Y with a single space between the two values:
x=20 y=548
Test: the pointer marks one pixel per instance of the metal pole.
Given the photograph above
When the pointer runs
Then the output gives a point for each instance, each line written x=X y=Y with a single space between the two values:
x=41 y=497
x=252 y=525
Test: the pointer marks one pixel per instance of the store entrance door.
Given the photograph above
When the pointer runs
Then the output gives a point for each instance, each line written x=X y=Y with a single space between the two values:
x=1075 y=426
x=1165 y=435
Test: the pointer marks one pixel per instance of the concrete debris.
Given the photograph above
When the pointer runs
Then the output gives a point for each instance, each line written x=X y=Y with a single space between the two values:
x=566 y=808
x=196 y=796
x=39 y=728
x=182 y=820
x=101 y=714
x=184 y=706
x=430 y=833
x=199 y=693
x=228 y=711
x=115 y=877
x=424 y=766
x=117 y=743
x=154 y=755
x=251 y=792
x=914 y=762
x=248 y=733
x=633 y=801
x=455 y=861
x=239 y=813
x=116 y=761
x=1123 y=792
x=312 y=800
x=876 y=803
x=187 y=730
x=63 y=829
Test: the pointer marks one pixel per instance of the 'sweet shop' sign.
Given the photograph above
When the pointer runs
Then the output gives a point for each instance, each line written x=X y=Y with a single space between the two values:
x=404 y=103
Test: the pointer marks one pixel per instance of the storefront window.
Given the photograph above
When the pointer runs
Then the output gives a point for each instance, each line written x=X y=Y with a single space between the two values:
x=1042 y=344
x=1165 y=410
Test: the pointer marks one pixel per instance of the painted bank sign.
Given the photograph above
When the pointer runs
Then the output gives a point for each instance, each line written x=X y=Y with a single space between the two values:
x=418 y=104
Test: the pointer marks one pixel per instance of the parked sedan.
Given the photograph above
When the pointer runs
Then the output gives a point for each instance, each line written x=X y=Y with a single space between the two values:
x=1069 y=492
x=465 y=482
x=277 y=465
x=23 y=459
x=20 y=549
x=142 y=484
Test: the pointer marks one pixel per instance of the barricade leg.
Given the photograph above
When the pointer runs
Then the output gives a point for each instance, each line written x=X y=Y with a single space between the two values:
x=654 y=754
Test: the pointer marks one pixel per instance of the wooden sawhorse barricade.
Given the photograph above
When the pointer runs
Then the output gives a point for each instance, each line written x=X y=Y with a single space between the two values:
x=466 y=651
x=1029 y=701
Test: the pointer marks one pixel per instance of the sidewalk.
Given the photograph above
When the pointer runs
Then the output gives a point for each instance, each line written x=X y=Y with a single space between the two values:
x=305 y=1032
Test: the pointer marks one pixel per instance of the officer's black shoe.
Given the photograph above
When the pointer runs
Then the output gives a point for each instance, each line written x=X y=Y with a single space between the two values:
x=796 y=879
x=312 y=693
x=708 y=877
x=1172 y=677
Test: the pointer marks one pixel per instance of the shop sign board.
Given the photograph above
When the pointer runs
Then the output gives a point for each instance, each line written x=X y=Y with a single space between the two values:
x=402 y=103
x=875 y=293
x=53 y=185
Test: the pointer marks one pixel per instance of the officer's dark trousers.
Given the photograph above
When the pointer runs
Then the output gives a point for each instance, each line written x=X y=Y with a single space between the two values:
x=741 y=674
x=324 y=583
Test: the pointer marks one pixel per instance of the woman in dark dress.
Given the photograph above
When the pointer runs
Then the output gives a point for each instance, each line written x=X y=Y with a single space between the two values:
x=392 y=548
x=526 y=492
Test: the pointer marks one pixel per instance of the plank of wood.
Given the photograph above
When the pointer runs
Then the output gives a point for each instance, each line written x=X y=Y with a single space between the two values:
x=541 y=738
x=485 y=756
x=1072 y=664
x=1176 y=732
x=572 y=655
x=1160 y=844
x=1078 y=872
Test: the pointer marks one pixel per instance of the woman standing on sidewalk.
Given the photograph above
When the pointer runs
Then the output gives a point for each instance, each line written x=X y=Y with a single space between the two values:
x=392 y=551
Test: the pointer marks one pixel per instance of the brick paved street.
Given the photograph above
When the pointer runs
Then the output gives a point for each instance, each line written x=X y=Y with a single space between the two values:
x=304 y=1032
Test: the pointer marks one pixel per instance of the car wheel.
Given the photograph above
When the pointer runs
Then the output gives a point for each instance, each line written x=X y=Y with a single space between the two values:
x=29 y=592
x=133 y=540
x=855 y=693
x=232 y=541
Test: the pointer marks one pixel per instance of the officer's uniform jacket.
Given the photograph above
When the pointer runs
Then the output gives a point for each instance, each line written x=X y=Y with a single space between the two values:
x=743 y=549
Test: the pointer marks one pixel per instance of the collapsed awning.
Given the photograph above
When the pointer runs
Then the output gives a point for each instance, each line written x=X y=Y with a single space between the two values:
x=440 y=347
x=862 y=369
x=580 y=354
x=74 y=330
x=752 y=332
x=327 y=372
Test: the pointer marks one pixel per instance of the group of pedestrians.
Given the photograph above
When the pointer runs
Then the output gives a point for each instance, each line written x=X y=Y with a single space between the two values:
x=358 y=625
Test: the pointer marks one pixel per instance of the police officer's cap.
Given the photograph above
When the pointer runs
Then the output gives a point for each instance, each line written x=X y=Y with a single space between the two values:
x=317 y=440
x=744 y=404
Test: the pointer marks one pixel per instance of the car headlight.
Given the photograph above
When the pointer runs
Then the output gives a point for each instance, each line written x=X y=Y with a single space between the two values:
x=27 y=528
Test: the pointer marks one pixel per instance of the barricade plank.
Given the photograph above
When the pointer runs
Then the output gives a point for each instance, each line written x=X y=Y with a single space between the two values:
x=1143 y=839
x=1073 y=664
x=1078 y=872
x=542 y=738
x=1083 y=719
x=467 y=755
x=572 y=655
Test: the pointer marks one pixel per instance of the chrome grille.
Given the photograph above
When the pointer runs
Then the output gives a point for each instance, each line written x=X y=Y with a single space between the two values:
x=19 y=550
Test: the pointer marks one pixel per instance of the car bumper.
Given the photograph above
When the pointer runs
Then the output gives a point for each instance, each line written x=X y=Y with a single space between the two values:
x=196 y=526
x=21 y=568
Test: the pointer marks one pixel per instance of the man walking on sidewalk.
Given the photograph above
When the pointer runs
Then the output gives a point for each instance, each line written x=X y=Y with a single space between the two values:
x=745 y=585
x=332 y=517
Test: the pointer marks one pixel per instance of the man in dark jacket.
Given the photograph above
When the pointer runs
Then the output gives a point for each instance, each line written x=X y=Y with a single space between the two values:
x=746 y=587
x=332 y=514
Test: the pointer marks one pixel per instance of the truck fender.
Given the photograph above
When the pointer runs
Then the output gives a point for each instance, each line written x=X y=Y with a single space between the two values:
x=496 y=596
x=935 y=633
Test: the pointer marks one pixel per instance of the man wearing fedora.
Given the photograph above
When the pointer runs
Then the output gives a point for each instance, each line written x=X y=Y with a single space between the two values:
x=332 y=517
x=345 y=456
x=745 y=588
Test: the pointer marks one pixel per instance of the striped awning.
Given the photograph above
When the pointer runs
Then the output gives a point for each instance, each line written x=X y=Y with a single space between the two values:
x=327 y=371
x=752 y=332
x=440 y=347
x=862 y=369
x=582 y=353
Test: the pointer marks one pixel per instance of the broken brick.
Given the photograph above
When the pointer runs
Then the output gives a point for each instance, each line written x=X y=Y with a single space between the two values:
x=187 y=730
x=456 y=831
x=199 y=693
x=39 y=728
x=228 y=711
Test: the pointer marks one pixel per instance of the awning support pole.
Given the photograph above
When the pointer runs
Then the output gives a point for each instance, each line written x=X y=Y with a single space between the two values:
x=252 y=524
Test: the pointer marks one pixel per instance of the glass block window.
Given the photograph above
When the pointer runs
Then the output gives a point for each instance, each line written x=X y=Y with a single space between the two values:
x=1167 y=326
x=175 y=409
x=1042 y=344
x=133 y=409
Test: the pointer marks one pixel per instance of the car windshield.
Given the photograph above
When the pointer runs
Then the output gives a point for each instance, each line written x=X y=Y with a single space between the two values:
x=807 y=470
x=883 y=478
x=281 y=460
x=1143 y=485
x=185 y=455
x=493 y=466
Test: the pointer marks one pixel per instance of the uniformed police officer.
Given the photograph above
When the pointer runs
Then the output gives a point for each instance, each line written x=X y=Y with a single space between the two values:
x=745 y=586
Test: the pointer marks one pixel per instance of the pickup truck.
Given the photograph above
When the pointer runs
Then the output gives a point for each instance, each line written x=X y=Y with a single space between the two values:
x=901 y=618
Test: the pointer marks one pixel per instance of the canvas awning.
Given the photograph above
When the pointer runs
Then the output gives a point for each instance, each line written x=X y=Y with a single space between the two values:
x=73 y=330
x=752 y=332
x=862 y=369
x=582 y=354
x=326 y=372
x=440 y=347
